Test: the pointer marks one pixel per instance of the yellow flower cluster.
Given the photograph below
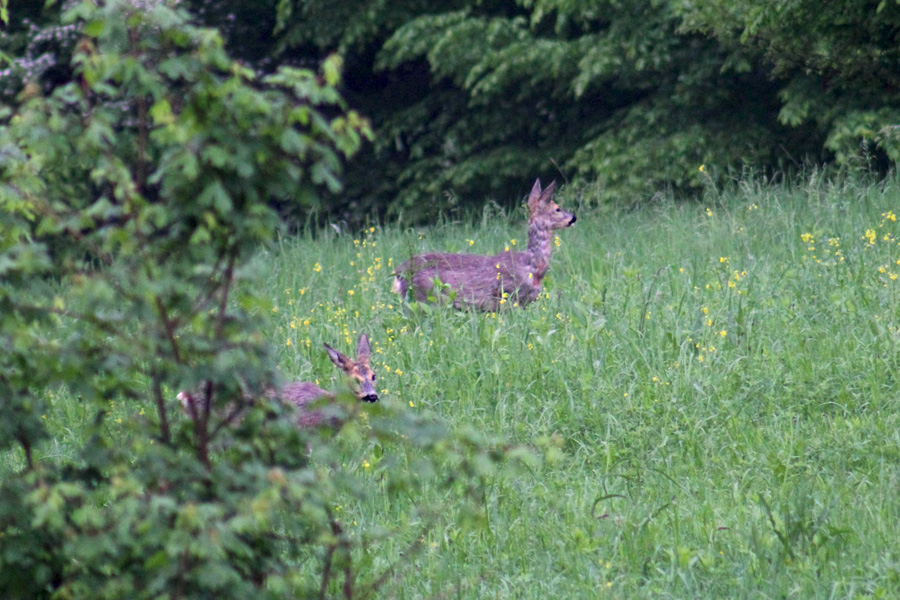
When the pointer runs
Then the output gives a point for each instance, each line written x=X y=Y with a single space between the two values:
x=883 y=233
x=833 y=254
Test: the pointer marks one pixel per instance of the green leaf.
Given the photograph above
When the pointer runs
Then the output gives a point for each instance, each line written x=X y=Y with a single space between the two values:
x=161 y=112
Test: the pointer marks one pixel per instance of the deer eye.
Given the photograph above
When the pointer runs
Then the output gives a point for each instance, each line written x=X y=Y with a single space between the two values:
x=558 y=209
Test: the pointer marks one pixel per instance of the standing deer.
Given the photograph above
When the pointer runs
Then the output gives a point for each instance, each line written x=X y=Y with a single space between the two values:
x=489 y=282
x=358 y=373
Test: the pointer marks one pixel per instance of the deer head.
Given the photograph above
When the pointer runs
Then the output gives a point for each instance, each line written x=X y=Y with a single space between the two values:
x=358 y=372
x=542 y=208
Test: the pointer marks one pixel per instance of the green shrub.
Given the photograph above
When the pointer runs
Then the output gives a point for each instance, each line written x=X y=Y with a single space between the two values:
x=131 y=199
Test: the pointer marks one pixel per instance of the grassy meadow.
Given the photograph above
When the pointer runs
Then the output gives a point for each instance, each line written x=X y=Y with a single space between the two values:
x=713 y=385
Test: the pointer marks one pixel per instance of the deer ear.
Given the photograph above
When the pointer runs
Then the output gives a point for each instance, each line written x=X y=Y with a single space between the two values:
x=534 y=198
x=336 y=357
x=547 y=194
x=363 y=350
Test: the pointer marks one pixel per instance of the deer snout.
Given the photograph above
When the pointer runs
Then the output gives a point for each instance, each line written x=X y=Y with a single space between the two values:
x=572 y=222
x=370 y=398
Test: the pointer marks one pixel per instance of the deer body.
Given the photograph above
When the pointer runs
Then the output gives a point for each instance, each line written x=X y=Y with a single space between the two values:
x=302 y=394
x=489 y=283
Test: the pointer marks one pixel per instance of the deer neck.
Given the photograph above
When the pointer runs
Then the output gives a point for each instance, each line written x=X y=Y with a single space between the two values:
x=539 y=249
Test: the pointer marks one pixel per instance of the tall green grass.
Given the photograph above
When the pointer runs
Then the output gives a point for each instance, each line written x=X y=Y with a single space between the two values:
x=714 y=385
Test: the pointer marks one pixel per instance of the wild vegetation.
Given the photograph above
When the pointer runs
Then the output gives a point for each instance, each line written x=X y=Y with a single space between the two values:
x=132 y=199
x=469 y=98
x=712 y=387
x=716 y=383
x=700 y=402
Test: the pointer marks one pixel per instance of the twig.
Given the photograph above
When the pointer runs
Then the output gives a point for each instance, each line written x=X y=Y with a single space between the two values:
x=229 y=277
x=170 y=328
x=161 y=411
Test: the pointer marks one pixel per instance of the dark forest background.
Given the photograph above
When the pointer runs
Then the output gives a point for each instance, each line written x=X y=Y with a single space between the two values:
x=471 y=100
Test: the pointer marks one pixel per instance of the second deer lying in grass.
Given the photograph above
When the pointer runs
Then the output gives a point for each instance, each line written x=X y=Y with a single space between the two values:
x=490 y=282
x=357 y=372
x=302 y=394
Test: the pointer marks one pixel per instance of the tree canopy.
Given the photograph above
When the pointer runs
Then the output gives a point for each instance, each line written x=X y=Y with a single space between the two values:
x=473 y=99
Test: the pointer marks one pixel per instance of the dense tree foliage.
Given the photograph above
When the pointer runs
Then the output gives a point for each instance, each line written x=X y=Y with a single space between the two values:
x=131 y=198
x=35 y=49
x=475 y=97
x=837 y=63
x=470 y=99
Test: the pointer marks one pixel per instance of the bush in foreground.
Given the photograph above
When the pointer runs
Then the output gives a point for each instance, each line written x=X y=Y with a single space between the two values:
x=132 y=198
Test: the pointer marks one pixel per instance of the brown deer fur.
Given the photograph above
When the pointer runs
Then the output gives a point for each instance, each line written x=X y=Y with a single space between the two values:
x=301 y=394
x=489 y=283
